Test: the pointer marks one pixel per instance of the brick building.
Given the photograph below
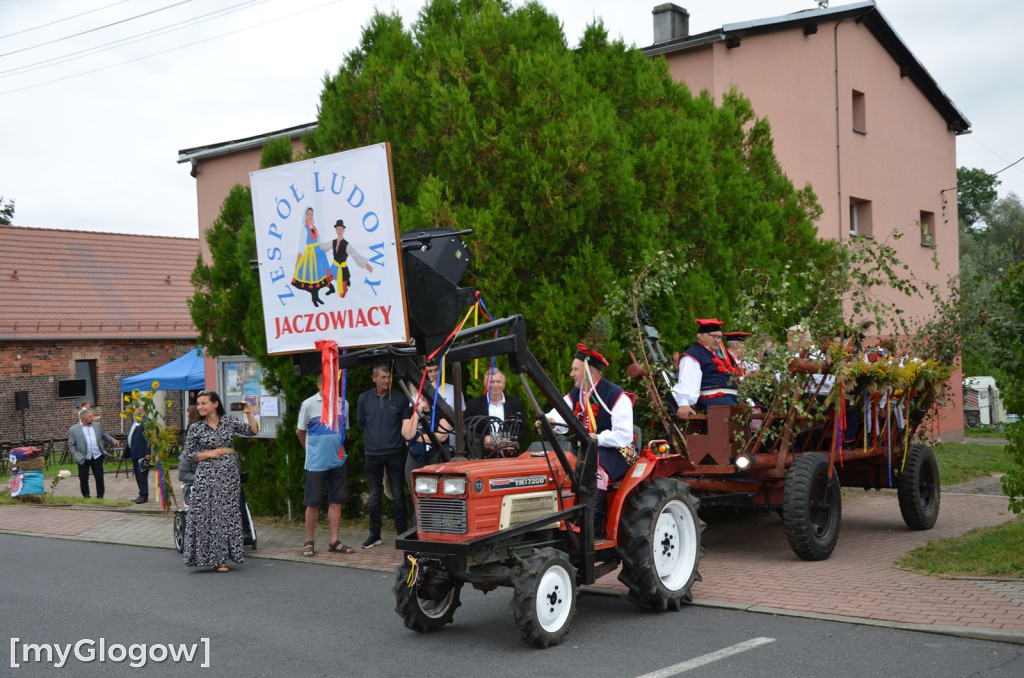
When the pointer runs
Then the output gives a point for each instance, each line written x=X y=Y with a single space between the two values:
x=85 y=306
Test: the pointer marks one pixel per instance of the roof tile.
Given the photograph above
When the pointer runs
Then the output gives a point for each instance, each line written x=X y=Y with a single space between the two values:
x=59 y=284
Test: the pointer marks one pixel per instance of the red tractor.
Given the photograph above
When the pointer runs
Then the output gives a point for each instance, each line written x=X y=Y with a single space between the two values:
x=527 y=521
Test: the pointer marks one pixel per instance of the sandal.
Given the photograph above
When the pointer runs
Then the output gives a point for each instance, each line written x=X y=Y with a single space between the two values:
x=307 y=549
x=338 y=547
x=223 y=567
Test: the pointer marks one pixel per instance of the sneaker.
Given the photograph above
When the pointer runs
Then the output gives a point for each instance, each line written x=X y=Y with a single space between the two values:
x=372 y=541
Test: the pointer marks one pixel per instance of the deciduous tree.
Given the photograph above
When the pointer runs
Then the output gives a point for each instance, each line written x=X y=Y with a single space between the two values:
x=1008 y=331
x=6 y=211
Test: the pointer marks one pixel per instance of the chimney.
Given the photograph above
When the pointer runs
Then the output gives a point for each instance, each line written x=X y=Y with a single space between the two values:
x=671 y=22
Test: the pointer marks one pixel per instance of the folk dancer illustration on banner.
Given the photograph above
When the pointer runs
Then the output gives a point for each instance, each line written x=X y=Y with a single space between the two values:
x=312 y=270
x=341 y=250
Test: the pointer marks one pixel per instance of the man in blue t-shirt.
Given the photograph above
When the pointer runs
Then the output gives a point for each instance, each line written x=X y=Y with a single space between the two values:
x=325 y=467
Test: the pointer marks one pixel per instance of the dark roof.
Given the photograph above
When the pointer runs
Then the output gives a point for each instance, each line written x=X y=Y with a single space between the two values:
x=58 y=284
x=225 y=147
x=807 y=20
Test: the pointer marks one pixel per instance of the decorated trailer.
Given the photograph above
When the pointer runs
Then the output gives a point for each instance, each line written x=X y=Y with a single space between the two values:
x=795 y=451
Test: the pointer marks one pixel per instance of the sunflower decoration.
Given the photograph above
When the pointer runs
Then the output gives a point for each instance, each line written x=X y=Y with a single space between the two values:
x=163 y=440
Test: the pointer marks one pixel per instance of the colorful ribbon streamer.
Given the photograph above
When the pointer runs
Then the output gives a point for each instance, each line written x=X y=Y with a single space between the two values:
x=329 y=381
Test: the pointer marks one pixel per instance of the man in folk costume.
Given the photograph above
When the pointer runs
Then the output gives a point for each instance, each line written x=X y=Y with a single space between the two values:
x=707 y=373
x=606 y=411
x=736 y=345
x=341 y=250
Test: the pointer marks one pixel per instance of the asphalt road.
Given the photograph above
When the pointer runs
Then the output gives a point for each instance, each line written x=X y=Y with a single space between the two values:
x=278 y=618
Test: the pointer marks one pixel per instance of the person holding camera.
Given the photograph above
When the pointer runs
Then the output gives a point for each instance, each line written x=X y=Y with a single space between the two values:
x=138 y=450
x=415 y=427
x=213 y=527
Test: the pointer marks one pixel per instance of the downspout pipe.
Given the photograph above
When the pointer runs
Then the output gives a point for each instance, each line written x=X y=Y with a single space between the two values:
x=839 y=166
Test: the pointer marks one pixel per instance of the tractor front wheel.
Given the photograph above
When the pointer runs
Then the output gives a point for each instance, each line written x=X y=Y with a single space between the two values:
x=544 y=598
x=812 y=507
x=659 y=543
x=918 y=489
x=419 y=612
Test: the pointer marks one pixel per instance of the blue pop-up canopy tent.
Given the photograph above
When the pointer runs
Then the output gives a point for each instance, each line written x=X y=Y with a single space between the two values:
x=181 y=374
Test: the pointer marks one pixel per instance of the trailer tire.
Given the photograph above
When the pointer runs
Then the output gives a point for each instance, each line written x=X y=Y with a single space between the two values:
x=919 y=489
x=423 y=615
x=812 y=507
x=659 y=544
x=544 y=597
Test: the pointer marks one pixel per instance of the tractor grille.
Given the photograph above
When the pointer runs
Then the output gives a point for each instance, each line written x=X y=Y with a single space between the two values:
x=442 y=515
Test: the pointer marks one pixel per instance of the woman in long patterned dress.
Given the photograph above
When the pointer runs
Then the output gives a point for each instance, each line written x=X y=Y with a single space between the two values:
x=312 y=270
x=213 y=527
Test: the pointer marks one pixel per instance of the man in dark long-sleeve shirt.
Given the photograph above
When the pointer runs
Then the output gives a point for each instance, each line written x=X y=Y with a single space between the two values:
x=379 y=413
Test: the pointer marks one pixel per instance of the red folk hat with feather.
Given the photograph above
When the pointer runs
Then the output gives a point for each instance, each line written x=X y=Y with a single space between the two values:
x=590 y=356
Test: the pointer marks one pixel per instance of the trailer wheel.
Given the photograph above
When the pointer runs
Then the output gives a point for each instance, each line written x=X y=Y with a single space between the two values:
x=544 y=598
x=918 y=488
x=419 y=613
x=812 y=507
x=659 y=543
x=179 y=530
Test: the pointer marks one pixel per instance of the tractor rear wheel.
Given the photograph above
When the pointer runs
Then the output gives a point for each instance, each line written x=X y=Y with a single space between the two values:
x=659 y=543
x=812 y=507
x=544 y=598
x=918 y=488
x=420 y=613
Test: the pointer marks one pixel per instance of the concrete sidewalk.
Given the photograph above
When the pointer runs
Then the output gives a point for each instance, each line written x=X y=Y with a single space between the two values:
x=748 y=564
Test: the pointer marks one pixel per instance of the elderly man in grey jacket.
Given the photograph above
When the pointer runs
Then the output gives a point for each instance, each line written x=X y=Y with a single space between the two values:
x=85 y=443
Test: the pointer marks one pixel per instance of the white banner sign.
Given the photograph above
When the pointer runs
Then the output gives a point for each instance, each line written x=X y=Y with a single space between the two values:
x=327 y=238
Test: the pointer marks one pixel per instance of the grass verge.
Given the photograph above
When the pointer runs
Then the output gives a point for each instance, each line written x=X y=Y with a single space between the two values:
x=984 y=552
x=7 y=500
x=960 y=462
x=986 y=431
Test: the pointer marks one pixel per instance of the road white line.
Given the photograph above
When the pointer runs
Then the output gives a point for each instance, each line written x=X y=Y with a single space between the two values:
x=703 y=660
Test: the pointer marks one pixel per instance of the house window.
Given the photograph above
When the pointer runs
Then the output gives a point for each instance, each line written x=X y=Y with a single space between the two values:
x=860 y=218
x=860 y=122
x=86 y=369
x=927 y=222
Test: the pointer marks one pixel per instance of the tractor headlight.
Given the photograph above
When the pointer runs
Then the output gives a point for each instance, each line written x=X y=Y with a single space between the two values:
x=426 y=485
x=453 y=486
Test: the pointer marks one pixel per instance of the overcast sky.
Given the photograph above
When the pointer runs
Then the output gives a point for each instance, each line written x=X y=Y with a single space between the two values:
x=89 y=137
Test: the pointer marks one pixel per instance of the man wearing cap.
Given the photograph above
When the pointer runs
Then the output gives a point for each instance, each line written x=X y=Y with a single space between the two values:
x=707 y=375
x=607 y=413
x=735 y=344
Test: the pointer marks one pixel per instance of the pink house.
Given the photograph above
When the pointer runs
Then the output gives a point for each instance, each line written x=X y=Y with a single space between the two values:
x=854 y=115
x=218 y=167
